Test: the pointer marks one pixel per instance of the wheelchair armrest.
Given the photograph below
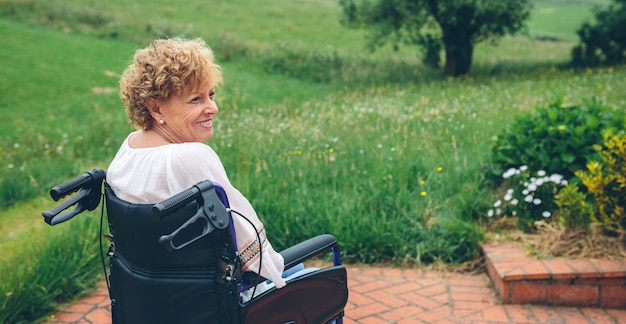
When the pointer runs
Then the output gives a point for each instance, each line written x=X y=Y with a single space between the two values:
x=307 y=249
x=299 y=253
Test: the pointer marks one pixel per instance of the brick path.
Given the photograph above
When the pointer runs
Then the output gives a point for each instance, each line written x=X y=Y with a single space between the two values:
x=521 y=278
x=391 y=295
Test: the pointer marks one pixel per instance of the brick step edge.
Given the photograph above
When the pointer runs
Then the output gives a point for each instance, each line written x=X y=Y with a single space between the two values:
x=522 y=279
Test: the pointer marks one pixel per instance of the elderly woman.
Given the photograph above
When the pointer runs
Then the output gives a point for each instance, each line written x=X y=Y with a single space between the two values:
x=169 y=93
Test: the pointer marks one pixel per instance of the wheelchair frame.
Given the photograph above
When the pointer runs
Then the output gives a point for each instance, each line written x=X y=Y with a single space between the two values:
x=300 y=301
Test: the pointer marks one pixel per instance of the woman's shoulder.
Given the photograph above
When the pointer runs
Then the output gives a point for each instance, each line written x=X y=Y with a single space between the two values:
x=190 y=153
x=192 y=148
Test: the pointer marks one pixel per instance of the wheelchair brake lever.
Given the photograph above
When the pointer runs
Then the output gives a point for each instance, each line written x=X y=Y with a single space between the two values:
x=211 y=212
x=188 y=226
x=87 y=198
x=50 y=216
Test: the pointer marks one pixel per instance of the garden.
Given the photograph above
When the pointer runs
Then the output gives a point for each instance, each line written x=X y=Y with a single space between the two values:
x=405 y=165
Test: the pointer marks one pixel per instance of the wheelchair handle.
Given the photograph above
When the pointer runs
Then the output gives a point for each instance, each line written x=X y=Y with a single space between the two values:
x=90 y=186
x=77 y=183
x=181 y=199
x=211 y=214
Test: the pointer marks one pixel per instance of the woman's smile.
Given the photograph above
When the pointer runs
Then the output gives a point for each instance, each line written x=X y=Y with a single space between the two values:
x=206 y=124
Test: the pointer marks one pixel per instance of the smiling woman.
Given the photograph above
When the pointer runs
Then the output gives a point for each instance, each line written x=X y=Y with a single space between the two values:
x=169 y=92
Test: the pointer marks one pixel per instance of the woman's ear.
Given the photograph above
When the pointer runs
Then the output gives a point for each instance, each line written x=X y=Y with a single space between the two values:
x=154 y=109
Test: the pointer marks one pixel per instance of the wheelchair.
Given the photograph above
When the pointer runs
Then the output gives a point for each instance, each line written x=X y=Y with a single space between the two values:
x=175 y=261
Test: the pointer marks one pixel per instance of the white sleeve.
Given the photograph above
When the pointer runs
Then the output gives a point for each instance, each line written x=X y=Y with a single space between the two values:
x=187 y=169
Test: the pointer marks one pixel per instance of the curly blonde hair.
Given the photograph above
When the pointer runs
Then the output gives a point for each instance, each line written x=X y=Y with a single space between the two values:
x=166 y=66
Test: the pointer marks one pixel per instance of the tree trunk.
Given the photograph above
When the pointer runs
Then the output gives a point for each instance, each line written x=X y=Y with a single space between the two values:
x=458 y=57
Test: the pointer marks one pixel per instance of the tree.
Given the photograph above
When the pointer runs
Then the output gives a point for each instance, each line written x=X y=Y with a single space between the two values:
x=455 y=25
x=604 y=42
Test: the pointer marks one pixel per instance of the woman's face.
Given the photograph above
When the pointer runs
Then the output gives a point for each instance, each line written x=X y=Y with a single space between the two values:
x=188 y=117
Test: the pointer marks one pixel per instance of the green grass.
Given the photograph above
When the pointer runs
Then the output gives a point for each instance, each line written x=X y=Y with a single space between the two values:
x=51 y=267
x=54 y=84
x=559 y=20
x=385 y=154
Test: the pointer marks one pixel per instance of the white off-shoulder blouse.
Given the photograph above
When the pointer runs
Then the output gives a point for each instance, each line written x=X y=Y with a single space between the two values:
x=150 y=175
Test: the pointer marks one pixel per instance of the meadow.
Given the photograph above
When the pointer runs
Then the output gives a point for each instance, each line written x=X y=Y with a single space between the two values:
x=321 y=135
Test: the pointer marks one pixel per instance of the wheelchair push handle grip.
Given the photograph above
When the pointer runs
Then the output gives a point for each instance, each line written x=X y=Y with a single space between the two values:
x=175 y=202
x=76 y=184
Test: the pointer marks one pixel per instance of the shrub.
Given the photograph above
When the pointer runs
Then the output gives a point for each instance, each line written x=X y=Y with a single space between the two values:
x=558 y=138
x=603 y=43
x=529 y=197
x=606 y=180
x=574 y=210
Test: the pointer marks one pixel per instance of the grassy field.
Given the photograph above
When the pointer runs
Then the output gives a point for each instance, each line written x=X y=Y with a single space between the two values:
x=372 y=147
x=559 y=19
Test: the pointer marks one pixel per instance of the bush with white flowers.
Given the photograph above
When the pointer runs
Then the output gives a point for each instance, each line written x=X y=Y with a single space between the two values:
x=529 y=196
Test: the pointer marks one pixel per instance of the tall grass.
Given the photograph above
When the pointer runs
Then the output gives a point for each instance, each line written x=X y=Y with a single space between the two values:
x=48 y=268
x=398 y=162
x=321 y=136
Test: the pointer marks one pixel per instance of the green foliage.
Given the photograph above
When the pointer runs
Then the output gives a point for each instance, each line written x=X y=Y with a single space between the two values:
x=316 y=65
x=431 y=50
x=51 y=267
x=334 y=166
x=557 y=138
x=603 y=42
x=529 y=196
x=574 y=210
x=448 y=241
x=458 y=25
x=605 y=180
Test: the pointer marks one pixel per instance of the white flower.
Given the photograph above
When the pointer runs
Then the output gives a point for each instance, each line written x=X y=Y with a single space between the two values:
x=498 y=211
x=556 y=178
x=509 y=173
x=532 y=187
x=528 y=198
x=546 y=214
x=514 y=202
x=510 y=191
x=523 y=168
x=497 y=203
x=508 y=197
x=525 y=192
x=539 y=182
x=490 y=213
x=537 y=201
x=541 y=173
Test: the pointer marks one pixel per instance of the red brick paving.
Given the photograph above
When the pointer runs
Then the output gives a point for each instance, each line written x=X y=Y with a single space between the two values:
x=422 y=297
x=520 y=278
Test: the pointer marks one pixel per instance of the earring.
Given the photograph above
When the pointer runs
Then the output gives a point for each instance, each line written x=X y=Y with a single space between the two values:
x=161 y=121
